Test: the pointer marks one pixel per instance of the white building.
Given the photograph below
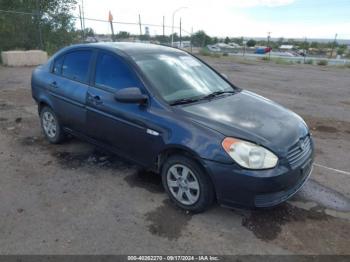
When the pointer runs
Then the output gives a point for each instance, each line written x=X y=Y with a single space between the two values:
x=286 y=47
x=183 y=44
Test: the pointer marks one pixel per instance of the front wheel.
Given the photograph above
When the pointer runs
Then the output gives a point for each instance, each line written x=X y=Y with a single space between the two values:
x=187 y=184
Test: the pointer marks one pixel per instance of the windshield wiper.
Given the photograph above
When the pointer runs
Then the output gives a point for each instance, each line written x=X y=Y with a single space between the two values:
x=217 y=93
x=192 y=100
x=183 y=101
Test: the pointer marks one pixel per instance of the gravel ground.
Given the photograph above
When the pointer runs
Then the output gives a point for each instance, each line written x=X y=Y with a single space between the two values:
x=74 y=199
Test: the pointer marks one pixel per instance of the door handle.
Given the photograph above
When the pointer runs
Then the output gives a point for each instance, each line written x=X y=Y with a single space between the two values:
x=54 y=84
x=95 y=99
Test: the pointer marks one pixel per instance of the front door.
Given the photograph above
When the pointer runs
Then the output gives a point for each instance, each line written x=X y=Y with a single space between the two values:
x=124 y=126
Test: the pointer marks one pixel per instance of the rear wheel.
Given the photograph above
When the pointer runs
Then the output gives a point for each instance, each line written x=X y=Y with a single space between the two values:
x=51 y=126
x=187 y=184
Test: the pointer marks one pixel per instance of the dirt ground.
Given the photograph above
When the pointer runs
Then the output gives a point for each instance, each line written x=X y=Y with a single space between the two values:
x=74 y=199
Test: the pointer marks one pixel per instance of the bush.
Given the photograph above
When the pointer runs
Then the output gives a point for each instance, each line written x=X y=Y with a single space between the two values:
x=344 y=66
x=225 y=54
x=282 y=61
x=204 y=52
x=215 y=55
x=322 y=62
x=309 y=62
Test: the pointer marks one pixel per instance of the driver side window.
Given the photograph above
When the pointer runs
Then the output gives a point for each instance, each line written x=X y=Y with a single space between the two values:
x=112 y=72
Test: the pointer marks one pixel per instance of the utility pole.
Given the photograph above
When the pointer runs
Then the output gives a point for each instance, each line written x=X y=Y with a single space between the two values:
x=172 y=26
x=180 y=33
x=268 y=43
x=191 y=37
x=83 y=14
x=140 y=25
x=334 y=42
x=81 y=24
x=110 y=19
x=244 y=46
x=163 y=26
x=305 y=49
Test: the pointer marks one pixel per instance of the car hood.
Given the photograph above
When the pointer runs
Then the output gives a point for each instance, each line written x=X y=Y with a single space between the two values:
x=249 y=116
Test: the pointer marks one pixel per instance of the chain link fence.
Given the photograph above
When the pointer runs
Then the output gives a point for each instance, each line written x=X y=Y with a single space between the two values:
x=50 y=32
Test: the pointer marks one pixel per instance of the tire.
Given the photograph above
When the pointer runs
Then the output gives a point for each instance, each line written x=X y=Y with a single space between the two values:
x=51 y=126
x=182 y=188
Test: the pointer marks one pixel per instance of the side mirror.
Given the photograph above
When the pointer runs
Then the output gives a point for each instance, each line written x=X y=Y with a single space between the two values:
x=130 y=95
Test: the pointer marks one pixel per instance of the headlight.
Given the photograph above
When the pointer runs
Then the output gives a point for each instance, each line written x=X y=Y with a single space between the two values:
x=249 y=155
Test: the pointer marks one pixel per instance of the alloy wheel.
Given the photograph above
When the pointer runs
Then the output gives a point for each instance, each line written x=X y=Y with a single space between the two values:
x=183 y=184
x=49 y=124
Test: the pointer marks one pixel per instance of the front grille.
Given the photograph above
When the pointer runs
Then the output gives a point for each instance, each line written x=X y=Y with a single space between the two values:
x=299 y=152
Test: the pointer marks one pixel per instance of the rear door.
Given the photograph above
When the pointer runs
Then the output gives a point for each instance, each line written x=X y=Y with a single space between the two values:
x=122 y=126
x=69 y=87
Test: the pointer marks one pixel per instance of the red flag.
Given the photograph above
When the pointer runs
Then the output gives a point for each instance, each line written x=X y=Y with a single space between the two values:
x=110 y=17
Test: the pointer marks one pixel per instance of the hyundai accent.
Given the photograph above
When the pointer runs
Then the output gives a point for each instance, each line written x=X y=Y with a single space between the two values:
x=168 y=111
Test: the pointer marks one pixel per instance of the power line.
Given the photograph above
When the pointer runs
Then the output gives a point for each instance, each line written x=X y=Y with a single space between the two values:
x=92 y=19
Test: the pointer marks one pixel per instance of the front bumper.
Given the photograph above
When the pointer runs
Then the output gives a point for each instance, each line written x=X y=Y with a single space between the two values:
x=238 y=187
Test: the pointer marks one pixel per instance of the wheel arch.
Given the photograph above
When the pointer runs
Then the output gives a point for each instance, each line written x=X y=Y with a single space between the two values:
x=42 y=103
x=185 y=151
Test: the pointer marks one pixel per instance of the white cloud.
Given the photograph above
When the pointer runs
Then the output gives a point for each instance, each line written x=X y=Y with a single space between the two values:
x=254 y=3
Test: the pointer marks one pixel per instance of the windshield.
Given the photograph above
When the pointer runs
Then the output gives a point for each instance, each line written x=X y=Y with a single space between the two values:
x=178 y=76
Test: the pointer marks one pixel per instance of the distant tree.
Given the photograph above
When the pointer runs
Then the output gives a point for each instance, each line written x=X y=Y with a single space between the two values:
x=164 y=39
x=215 y=40
x=314 y=44
x=290 y=41
x=200 y=38
x=176 y=37
x=251 y=43
x=186 y=38
x=123 y=35
x=146 y=37
x=89 y=32
x=227 y=40
x=261 y=43
x=303 y=45
x=50 y=26
x=341 y=50
x=238 y=41
x=330 y=44
x=280 y=41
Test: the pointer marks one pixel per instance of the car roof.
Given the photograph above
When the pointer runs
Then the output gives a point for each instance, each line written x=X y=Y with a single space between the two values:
x=130 y=48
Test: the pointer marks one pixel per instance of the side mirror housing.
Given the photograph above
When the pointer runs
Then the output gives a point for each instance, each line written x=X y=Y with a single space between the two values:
x=130 y=95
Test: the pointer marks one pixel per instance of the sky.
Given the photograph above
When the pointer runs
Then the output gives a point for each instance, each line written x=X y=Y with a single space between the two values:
x=221 y=18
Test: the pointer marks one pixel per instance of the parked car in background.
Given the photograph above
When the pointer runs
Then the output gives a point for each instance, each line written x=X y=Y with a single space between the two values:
x=170 y=112
x=262 y=50
x=214 y=48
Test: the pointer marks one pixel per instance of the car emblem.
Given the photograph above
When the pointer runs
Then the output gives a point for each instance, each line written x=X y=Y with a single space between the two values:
x=152 y=132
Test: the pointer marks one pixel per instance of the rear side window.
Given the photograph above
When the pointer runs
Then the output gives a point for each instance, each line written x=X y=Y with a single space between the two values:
x=76 y=65
x=112 y=71
x=57 y=66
